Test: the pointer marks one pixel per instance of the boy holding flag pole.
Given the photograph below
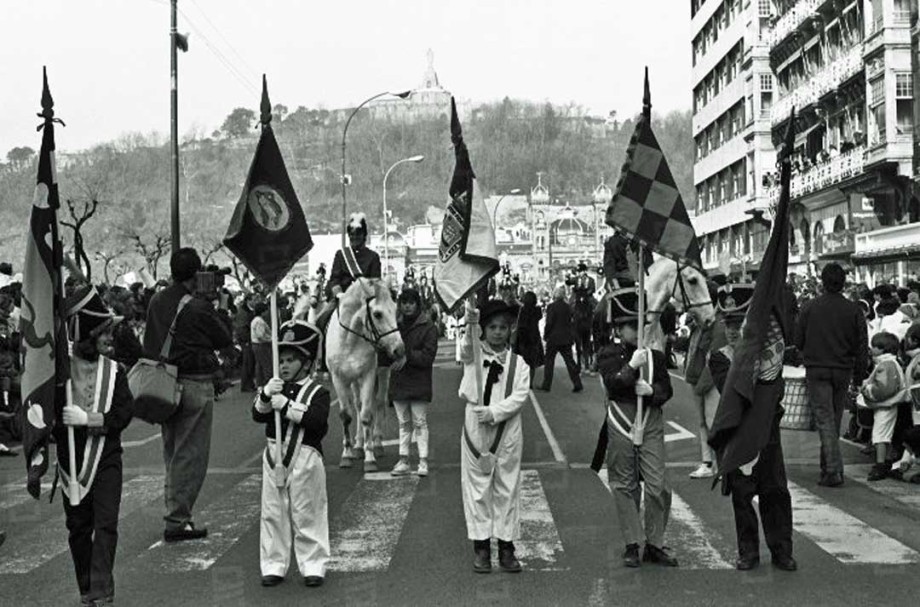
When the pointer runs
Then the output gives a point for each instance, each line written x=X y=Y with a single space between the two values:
x=269 y=234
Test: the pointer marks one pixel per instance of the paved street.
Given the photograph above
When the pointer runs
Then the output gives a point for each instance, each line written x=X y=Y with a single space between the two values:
x=403 y=542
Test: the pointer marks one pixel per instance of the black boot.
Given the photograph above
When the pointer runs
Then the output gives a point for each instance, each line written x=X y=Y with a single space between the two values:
x=482 y=549
x=506 y=558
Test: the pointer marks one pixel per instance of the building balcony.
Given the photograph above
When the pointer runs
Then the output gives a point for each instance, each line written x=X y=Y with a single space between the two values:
x=791 y=20
x=819 y=84
x=824 y=174
x=888 y=244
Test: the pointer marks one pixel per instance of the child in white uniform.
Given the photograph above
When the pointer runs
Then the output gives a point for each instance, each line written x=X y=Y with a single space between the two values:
x=492 y=442
x=297 y=512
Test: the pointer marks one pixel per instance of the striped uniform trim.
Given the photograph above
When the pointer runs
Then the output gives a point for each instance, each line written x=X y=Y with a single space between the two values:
x=292 y=441
x=351 y=262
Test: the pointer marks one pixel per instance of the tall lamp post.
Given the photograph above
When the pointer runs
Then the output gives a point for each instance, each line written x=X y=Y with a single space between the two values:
x=495 y=208
x=345 y=178
x=386 y=240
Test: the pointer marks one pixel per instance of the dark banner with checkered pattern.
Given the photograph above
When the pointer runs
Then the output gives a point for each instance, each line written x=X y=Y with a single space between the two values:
x=647 y=205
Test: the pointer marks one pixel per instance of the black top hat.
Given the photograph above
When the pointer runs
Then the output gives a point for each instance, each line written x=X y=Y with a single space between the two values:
x=6 y=268
x=625 y=304
x=357 y=224
x=733 y=299
x=495 y=307
x=87 y=315
x=582 y=266
x=301 y=336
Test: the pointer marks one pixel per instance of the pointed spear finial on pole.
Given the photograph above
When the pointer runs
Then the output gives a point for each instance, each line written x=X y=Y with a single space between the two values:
x=647 y=98
x=266 y=107
x=47 y=103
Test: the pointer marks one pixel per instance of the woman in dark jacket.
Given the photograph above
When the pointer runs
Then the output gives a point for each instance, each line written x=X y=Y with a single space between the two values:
x=527 y=341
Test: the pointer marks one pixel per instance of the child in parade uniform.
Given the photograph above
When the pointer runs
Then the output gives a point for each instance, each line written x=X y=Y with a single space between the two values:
x=882 y=392
x=620 y=365
x=492 y=443
x=299 y=510
x=101 y=407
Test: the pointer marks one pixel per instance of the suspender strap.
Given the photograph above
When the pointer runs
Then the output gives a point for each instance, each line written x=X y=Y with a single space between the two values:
x=292 y=442
x=351 y=262
x=509 y=387
x=167 y=344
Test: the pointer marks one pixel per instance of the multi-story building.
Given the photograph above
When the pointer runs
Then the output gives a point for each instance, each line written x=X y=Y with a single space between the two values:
x=733 y=91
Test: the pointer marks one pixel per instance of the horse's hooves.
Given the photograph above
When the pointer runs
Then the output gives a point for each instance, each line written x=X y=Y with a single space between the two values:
x=370 y=466
x=345 y=463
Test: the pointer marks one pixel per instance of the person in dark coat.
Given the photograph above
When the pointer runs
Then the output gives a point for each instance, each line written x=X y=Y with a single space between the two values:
x=527 y=341
x=242 y=334
x=559 y=335
x=410 y=382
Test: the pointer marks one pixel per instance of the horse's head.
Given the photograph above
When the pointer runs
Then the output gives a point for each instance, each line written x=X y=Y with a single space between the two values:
x=380 y=317
x=689 y=289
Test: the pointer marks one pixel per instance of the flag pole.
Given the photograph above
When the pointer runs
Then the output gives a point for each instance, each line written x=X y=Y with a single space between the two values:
x=73 y=486
x=276 y=372
x=477 y=350
x=638 y=426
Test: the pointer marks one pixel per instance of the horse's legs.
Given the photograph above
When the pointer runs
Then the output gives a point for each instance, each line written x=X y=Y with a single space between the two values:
x=381 y=398
x=343 y=392
x=367 y=419
x=357 y=406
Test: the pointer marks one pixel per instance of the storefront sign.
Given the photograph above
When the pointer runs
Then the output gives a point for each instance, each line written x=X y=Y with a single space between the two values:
x=839 y=242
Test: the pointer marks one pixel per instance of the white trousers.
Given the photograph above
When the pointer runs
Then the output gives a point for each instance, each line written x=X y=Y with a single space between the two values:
x=492 y=502
x=297 y=513
x=412 y=414
x=706 y=405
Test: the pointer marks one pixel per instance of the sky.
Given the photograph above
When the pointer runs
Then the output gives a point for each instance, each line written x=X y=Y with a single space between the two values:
x=108 y=60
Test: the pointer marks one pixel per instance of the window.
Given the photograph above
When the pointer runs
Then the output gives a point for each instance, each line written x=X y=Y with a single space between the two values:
x=764 y=8
x=904 y=93
x=902 y=11
x=877 y=87
x=766 y=83
x=904 y=86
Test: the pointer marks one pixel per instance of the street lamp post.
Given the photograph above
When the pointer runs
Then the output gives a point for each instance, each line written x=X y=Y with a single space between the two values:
x=495 y=208
x=345 y=180
x=386 y=240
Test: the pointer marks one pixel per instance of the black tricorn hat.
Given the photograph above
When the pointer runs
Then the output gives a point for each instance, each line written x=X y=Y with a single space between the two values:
x=495 y=307
x=302 y=336
x=87 y=315
x=733 y=299
x=624 y=304
x=357 y=224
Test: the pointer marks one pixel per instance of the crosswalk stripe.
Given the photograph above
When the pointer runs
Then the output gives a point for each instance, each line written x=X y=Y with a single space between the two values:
x=228 y=518
x=15 y=494
x=842 y=535
x=687 y=533
x=364 y=534
x=904 y=493
x=50 y=540
x=539 y=547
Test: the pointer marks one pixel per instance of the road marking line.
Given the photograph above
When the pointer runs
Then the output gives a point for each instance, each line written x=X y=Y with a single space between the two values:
x=229 y=518
x=547 y=431
x=842 y=535
x=15 y=494
x=364 y=534
x=904 y=493
x=539 y=547
x=50 y=540
x=688 y=532
x=682 y=433
x=137 y=443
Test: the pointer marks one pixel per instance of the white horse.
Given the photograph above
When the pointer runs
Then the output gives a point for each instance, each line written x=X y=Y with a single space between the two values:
x=363 y=323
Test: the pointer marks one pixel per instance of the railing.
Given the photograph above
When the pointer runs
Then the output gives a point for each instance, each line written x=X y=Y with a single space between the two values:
x=818 y=84
x=824 y=174
x=791 y=20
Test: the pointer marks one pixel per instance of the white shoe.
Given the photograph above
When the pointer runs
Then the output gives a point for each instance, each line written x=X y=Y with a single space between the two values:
x=423 y=467
x=704 y=471
x=401 y=468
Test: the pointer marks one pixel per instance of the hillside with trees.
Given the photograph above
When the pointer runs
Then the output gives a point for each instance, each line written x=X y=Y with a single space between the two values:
x=116 y=195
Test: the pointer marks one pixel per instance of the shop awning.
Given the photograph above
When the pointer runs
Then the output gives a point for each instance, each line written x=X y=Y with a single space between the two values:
x=902 y=253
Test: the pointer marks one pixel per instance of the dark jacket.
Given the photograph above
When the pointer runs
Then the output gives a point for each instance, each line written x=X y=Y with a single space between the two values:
x=831 y=332
x=199 y=332
x=413 y=381
x=368 y=261
x=126 y=345
x=315 y=421
x=242 y=325
x=527 y=341
x=620 y=379
x=560 y=328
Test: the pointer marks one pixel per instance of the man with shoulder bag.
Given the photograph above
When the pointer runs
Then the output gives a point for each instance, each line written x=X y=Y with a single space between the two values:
x=195 y=331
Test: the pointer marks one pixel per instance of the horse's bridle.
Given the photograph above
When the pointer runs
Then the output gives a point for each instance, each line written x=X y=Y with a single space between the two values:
x=684 y=298
x=369 y=324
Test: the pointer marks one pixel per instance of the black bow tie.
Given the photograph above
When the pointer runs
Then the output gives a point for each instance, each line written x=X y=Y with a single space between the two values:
x=495 y=369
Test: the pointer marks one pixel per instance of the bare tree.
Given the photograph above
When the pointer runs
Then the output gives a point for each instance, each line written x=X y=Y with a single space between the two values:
x=78 y=219
x=107 y=259
x=151 y=251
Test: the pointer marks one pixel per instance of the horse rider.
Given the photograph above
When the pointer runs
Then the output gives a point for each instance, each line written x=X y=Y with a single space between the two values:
x=350 y=263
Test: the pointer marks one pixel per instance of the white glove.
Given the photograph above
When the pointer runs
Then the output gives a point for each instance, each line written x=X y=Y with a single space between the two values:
x=639 y=358
x=279 y=401
x=484 y=415
x=472 y=316
x=643 y=388
x=274 y=386
x=75 y=416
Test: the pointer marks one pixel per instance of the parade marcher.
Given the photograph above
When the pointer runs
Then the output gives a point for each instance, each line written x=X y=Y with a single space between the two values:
x=766 y=475
x=410 y=386
x=831 y=335
x=703 y=340
x=350 y=263
x=492 y=443
x=199 y=332
x=620 y=365
x=882 y=392
x=527 y=341
x=298 y=512
x=559 y=335
x=101 y=407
